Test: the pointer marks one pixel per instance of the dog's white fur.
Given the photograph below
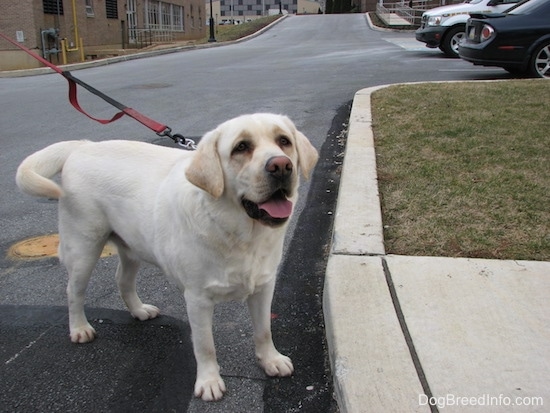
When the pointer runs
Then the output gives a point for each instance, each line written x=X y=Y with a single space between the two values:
x=182 y=211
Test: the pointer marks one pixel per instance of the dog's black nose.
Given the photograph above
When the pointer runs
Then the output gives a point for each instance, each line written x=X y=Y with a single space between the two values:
x=279 y=166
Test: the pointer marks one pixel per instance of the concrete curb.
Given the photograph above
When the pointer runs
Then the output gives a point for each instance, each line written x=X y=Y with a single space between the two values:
x=403 y=330
x=371 y=364
x=356 y=302
x=133 y=56
x=358 y=220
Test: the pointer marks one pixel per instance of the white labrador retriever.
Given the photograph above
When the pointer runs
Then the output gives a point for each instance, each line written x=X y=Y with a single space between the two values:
x=214 y=220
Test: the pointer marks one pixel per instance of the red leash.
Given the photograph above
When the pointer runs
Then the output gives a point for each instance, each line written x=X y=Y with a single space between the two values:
x=157 y=127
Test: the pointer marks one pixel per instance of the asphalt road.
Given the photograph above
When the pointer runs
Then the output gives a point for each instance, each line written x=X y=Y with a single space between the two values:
x=307 y=67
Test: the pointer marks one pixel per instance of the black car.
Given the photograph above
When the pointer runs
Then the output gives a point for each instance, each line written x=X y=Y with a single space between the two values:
x=518 y=40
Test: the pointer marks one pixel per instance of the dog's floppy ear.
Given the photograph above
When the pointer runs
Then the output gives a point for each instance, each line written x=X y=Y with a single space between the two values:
x=307 y=154
x=205 y=170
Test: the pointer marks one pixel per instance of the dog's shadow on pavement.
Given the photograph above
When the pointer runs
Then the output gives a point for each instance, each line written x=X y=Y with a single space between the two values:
x=131 y=366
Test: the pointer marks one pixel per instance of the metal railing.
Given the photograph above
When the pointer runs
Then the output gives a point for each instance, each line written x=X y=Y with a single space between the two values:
x=410 y=11
x=388 y=11
x=138 y=37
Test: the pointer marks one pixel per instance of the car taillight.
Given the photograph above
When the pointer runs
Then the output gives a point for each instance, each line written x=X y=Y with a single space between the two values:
x=486 y=33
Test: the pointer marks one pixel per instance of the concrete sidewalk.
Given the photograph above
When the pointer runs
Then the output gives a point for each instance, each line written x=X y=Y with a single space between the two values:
x=421 y=334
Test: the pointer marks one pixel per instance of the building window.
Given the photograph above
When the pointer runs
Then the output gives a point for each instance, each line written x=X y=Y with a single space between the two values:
x=178 y=18
x=160 y=15
x=111 y=9
x=166 y=14
x=152 y=15
x=50 y=6
x=89 y=8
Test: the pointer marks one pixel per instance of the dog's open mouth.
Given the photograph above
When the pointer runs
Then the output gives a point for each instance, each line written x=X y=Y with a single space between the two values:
x=274 y=211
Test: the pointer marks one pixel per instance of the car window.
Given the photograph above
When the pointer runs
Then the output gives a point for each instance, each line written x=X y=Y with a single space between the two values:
x=527 y=7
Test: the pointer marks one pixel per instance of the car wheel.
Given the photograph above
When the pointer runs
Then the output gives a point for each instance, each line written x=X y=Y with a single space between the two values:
x=450 y=42
x=540 y=62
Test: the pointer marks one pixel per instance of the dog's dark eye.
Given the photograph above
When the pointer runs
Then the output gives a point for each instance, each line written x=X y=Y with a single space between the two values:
x=284 y=141
x=242 y=147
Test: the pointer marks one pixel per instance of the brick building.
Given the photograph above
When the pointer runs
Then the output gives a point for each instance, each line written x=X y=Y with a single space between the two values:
x=242 y=10
x=367 y=5
x=245 y=10
x=82 y=26
x=239 y=8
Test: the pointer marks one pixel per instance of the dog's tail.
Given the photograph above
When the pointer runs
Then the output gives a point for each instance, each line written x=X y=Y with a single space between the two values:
x=34 y=172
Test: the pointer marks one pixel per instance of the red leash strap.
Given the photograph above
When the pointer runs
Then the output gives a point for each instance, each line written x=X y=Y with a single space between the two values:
x=74 y=101
x=28 y=51
x=73 y=82
x=124 y=110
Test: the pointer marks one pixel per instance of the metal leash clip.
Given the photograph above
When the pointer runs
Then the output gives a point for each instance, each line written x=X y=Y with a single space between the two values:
x=179 y=139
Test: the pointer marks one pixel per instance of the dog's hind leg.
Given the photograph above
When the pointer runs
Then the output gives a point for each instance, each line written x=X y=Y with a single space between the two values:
x=79 y=255
x=126 y=280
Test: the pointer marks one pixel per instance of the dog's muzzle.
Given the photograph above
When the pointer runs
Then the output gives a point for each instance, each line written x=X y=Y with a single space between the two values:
x=277 y=208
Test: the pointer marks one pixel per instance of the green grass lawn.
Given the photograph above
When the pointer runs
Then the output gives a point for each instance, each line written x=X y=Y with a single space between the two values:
x=464 y=168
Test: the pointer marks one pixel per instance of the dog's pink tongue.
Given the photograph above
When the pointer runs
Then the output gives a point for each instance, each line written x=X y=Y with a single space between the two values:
x=277 y=208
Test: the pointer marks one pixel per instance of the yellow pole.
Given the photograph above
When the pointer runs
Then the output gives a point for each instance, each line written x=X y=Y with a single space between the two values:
x=64 y=51
x=81 y=50
x=75 y=24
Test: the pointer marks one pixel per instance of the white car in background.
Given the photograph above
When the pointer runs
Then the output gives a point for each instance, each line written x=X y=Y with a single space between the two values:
x=445 y=26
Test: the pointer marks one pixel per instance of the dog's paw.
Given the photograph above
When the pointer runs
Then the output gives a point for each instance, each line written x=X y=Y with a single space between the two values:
x=210 y=389
x=278 y=365
x=83 y=334
x=145 y=312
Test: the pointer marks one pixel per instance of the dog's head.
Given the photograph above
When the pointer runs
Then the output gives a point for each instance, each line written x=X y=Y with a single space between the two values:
x=254 y=160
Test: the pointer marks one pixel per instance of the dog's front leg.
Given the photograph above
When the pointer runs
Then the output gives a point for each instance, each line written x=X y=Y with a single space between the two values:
x=209 y=385
x=259 y=305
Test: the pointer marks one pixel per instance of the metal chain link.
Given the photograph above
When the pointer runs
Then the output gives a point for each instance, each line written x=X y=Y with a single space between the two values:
x=186 y=143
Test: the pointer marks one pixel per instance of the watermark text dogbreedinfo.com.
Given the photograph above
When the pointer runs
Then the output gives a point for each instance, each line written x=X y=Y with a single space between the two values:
x=483 y=400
